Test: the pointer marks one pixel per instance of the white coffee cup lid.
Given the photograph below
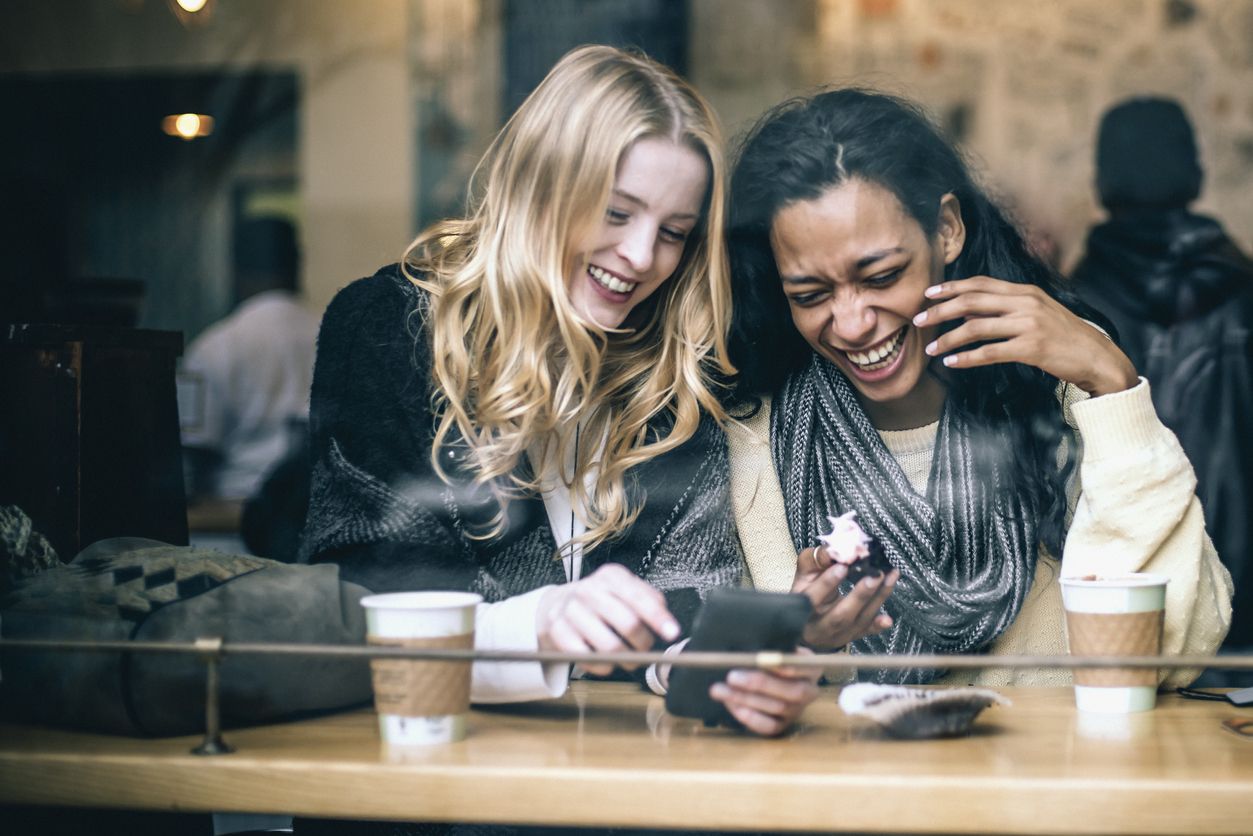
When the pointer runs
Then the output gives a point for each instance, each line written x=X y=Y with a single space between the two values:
x=425 y=600
x=1133 y=579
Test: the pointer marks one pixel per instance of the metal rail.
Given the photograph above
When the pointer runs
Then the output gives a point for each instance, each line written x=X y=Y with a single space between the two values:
x=757 y=659
x=214 y=649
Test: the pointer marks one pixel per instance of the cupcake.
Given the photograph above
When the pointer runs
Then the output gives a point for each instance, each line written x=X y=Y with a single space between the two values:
x=849 y=544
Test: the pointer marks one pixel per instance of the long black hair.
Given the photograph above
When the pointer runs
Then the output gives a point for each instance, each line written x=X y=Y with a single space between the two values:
x=805 y=146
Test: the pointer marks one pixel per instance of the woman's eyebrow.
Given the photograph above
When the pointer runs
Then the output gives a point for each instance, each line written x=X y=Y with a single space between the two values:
x=861 y=264
x=627 y=196
x=870 y=258
x=799 y=279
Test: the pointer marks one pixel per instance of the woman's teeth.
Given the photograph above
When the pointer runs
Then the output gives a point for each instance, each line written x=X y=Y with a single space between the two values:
x=609 y=281
x=879 y=357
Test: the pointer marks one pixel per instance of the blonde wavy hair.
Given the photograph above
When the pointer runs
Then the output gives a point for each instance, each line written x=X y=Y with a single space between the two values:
x=514 y=366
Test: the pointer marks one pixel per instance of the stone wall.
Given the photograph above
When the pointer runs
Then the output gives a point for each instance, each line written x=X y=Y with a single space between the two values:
x=1023 y=81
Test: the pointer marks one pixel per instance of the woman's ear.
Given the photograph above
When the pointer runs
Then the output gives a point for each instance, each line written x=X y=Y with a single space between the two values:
x=951 y=228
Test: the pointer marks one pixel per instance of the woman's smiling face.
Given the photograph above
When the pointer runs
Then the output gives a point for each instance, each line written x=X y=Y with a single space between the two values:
x=656 y=202
x=854 y=266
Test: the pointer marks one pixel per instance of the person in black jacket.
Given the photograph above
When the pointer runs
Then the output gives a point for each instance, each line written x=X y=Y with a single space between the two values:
x=525 y=407
x=1180 y=294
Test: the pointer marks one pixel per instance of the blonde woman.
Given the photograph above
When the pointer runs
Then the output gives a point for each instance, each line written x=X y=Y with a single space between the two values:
x=527 y=407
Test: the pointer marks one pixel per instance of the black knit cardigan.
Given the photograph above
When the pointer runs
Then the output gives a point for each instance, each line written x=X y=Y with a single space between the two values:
x=378 y=509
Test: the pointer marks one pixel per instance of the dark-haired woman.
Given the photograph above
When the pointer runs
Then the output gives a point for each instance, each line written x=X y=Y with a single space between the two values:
x=915 y=363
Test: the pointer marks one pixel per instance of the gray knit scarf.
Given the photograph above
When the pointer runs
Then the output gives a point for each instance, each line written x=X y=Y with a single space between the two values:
x=966 y=551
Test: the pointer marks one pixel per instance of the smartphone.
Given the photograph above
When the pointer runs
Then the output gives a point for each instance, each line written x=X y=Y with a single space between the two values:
x=743 y=620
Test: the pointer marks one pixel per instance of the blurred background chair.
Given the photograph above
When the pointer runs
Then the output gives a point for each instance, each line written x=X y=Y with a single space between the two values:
x=89 y=444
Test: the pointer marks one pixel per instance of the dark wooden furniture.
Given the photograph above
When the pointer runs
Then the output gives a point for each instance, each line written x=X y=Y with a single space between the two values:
x=89 y=444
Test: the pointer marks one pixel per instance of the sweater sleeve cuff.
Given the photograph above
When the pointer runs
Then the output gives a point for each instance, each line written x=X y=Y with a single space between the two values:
x=510 y=625
x=1119 y=423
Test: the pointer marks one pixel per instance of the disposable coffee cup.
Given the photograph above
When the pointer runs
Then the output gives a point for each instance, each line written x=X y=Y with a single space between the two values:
x=421 y=702
x=1115 y=616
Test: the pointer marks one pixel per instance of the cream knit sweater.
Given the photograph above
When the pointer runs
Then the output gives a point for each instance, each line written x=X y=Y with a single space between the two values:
x=1134 y=509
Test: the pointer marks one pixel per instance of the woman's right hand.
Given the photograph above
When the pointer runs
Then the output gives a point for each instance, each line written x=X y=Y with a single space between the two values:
x=1009 y=322
x=839 y=619
x=768 y=701
x=610 y=610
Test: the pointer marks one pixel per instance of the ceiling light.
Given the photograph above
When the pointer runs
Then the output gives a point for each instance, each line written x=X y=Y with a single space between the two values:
x=187 y=125
x=192 y=13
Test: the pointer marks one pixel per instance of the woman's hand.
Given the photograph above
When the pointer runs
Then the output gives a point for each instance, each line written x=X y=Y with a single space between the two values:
x=1020 y=323
x=839 y=619
x=611 y=610
x=768 y=702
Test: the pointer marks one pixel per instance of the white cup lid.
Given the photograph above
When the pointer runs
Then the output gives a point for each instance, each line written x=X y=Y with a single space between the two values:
x=1134 y=579
x=424 y=600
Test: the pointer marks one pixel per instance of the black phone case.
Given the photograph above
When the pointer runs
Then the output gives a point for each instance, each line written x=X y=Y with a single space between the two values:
x=741 y=620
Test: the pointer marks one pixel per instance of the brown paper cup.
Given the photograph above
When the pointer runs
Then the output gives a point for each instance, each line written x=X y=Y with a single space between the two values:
x=1115 y=634
x=418 y=701
x=1117 y=616
x=417 y=688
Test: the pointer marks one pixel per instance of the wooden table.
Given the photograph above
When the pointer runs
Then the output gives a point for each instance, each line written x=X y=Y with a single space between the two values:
x=608 y=754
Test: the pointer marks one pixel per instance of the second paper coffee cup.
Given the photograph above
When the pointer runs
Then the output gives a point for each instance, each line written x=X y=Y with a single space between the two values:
x=1115 y=616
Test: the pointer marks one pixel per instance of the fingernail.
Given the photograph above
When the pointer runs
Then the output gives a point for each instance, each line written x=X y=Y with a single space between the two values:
x=950 y=360
x=670 y=630
x=719 y=691
x=932 y=347
x=839 y=570
x=738 y=678
x=933 y=291
x=920 y=318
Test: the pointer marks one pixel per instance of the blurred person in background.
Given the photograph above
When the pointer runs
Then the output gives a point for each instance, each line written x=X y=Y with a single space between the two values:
x=246 y=378
x=1180 y=293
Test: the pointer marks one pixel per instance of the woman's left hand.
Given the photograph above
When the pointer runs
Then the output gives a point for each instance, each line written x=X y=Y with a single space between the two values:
x=768 y=702
x=1020 y=323
x=838 y=619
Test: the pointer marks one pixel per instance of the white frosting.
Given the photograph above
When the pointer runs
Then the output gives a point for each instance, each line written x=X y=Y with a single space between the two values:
x=846 y=543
